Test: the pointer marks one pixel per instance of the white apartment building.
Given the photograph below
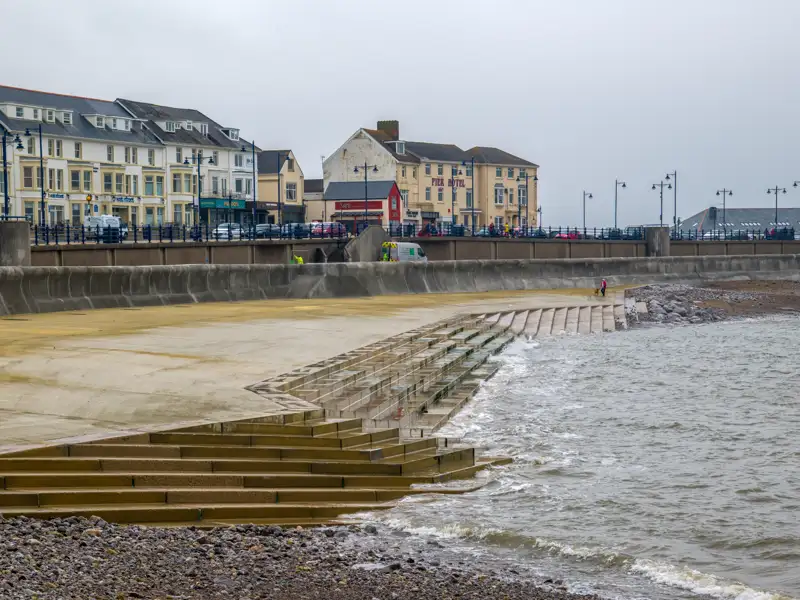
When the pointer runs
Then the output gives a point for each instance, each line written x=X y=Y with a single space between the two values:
x=122 y=158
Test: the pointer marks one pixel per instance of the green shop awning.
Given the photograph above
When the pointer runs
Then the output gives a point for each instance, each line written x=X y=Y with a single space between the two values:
x=218 y=203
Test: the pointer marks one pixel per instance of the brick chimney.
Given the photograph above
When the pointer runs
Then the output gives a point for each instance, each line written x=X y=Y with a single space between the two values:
x=390 y=128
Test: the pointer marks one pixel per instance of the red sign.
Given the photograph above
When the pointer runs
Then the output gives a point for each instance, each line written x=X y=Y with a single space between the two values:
x=458 y=183
x=374 y=204
x=395 y=200
x=437 y=182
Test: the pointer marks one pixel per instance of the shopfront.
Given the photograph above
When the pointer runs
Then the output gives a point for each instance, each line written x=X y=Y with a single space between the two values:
x=123 y=207
x=214 y=211
x=56 y=209
x=153 y=212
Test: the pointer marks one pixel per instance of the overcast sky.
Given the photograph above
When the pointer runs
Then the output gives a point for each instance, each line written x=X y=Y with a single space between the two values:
x=591 y=90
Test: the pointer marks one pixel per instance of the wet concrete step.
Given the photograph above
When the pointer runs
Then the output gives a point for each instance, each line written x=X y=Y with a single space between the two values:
x=546 y=324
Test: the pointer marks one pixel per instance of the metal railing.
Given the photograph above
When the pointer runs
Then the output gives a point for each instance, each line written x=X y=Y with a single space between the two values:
x=716 y=235
x=169 y=233
x=562 y=233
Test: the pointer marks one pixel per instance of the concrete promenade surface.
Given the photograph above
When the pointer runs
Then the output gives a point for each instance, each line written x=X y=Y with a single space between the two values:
x=77 y=374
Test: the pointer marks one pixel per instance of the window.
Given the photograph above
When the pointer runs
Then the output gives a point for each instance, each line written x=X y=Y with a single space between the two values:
x=291 y=191
x=78 y=150
x=60 y=180
x=36 y=114
x=135 y=185
x=187 y=183
x=498 y=195
x=188 y=214
x=215 y=185
x=469 y=198
x=215 y=157
x=238 y=160
x=455 y=196
x=522 y=196
x=523 y=173
x=510 y=172
x=224 y=186
x=440 y=169
x=290 y=164
x=107 y=183
x=469 y=169
x=400 y=147
x=189 y=125
x=27 y=177
x=454 y=172
x=176 y=183
x=427 y=169
x=159 y=185
x=74 y=181
x=31 y=145
x=177 y=212
x=50 y=116
x=204 y=128
x=128 y=185
x=51 y=179
x=135 y=156
x=100 y=121
x=414 y=173
x=498 y=222
x=127 y=154
x=67 y=118
x=148 y=185
x=59 y=148
x=51 y=147
x=151 y=157
x=238 y=186
x=170 y=126
x=113 y=123
x=427 y=194
x=403 y=171
x=194 y=184
x=76 y=214
x=126 y=124
x=20 y=112
x=110 y=153
x=2 y=186
x=511 y=196
x=441 y=195
x=498 y=172
x=404 y=197
x=178 y=155
x=87 y=181
x=39 y=176
x=248 y=188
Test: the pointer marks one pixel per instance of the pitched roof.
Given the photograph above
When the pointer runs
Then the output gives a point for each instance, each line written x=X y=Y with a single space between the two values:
x=313 y=186
x=741 y=218
x=268 y=161
x=155 y=112
x=427 y=151
x=383 y=139
x=80 y=127
x=354 y=190
x=494 y=156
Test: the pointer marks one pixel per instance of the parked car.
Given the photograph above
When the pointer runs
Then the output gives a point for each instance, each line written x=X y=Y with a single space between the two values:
x=267 y=231
x=328 y=229
x=297 y=230
x=428 y=230
x=225 y=232
x=567 y=235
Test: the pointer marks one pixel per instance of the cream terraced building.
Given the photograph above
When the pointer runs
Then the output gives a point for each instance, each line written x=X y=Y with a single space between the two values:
x=436 y=181
x=120 y=158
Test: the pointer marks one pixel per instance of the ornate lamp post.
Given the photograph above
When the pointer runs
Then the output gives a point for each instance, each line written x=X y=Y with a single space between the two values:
x=7 y=140
x=366 y=168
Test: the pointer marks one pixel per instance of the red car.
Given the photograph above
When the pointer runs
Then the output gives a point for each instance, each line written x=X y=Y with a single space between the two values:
x=328 y=229
x=569 y=235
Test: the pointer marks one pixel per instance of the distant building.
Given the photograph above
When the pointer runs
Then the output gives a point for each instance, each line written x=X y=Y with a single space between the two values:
x=348 y=198
x=280 y=181
x=313 y=200
x=734 y=219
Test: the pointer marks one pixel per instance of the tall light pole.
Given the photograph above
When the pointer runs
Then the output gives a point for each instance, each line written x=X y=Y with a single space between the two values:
x=19 y=146
x=472 y=187
x=674 y=176
x=527 y=197
x=539 y=210
x=366 y=168
x=197 y=158
x=255 y=182
x=661 y=187
x=585 y=195
x=724 y=193
x=43 y=221
x=775 y=191
x=617 y=184
x=453 y=172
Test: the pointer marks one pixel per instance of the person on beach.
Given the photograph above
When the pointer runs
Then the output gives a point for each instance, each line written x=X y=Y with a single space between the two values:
x=603 y=286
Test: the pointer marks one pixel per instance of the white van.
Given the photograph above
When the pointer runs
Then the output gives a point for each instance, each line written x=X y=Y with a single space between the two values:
x=102 y=226
x=403 y=252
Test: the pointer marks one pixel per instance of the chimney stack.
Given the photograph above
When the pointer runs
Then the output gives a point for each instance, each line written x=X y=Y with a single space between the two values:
x=390 y=128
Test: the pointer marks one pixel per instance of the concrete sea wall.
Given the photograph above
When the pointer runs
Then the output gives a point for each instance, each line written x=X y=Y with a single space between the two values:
x=49 y=289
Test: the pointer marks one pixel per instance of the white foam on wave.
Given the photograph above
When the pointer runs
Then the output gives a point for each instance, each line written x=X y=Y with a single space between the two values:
x=700 y=583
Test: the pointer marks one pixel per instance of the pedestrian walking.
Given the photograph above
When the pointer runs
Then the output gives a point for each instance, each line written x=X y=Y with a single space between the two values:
x=603 y=286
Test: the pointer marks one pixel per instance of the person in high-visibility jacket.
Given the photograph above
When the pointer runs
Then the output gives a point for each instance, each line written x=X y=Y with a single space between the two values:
x=298 y=260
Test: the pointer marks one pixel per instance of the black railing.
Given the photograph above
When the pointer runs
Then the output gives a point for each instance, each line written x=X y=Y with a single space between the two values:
x=568 y=233
x=743 y=235
x=169 y=233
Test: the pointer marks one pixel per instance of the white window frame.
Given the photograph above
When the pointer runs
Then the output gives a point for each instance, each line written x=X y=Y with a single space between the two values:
x=78 y=150
x=440 y=169
x=169 y=126
x=427 y=194
x=189 y=125
x=427 y=169
x=404 y=198
x=498 y=172
x=290 y=187
x=59 y=148
x=403 y=171
x=127 y=155
x=511 y=195
x=498 y=196
x=110 y=153
x=178 y=155
x=238 y=186
x=67 y=118
x=50 y=116
x=238 y=160
x=469 y=198
x=134 y=155
x=522 y=195
x=204 y=128
x=113 y=123
x=151 y=157
x=100 y=122
x=511 y=172
x=36 y=114
x=20 y=112
x=440 y=195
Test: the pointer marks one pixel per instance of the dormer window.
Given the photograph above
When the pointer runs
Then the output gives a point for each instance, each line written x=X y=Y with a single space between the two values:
x=232 y=134
x=20 y=112
x=400 y=147
x=170 y=126
x=36 y=114
x=189 y=125
x=100 y=121
x=126 y=124
x=113 y=123
x=67 y=118
x=50 y=116
x=204 y=128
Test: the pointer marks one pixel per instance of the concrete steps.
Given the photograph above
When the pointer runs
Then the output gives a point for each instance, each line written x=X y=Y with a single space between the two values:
x=286 y=468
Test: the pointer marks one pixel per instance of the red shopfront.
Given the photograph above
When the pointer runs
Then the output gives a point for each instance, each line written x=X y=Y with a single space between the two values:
x=383 y=212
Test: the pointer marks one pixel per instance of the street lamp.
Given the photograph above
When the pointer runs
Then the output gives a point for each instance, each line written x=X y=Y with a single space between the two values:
x=472 y=187
x=197 y=158
x=775 y=191
x=255 y=182
x=366 y=168
x=674 y=176
x=19 y=146
x=724 y=193
x=527 y=199
x=539 y=210
x=617 y=184
x=41 y=169
x=279 y=157
x=661 y=187
x=585 y=195
x=453 y=172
